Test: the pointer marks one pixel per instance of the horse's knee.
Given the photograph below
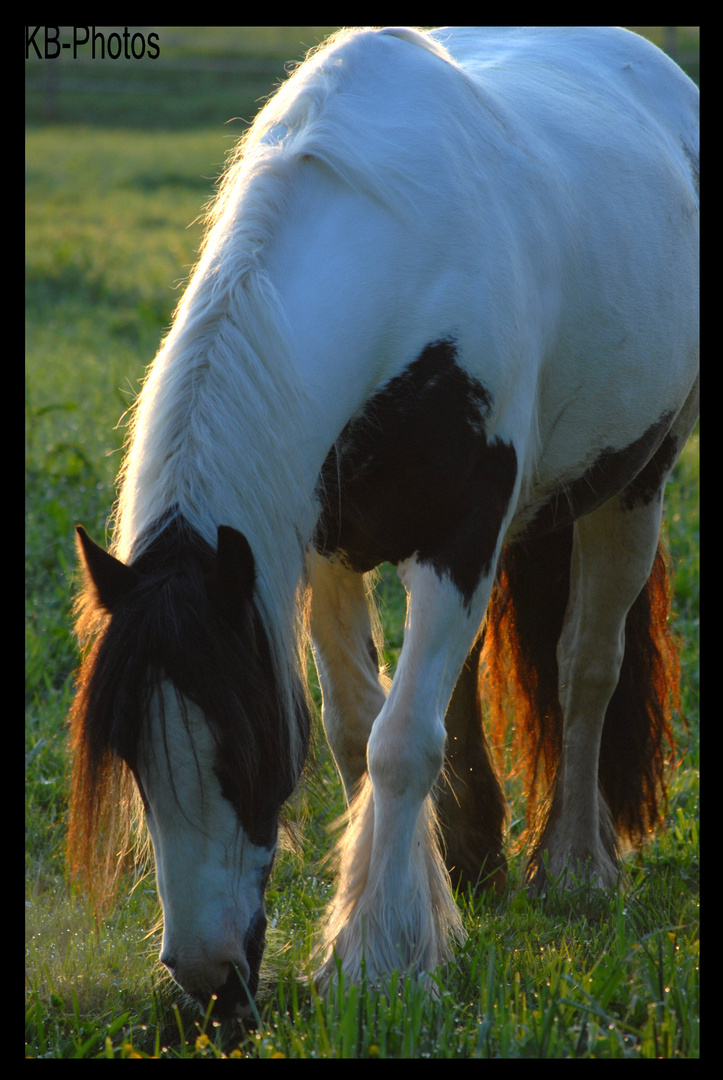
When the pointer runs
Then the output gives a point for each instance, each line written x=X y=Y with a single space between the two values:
x=406 y=759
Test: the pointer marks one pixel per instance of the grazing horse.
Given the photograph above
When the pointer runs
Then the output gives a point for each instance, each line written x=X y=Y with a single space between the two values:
x=445 y=316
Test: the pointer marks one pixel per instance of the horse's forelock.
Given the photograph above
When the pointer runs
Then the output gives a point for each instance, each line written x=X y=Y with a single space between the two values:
x=172 y=629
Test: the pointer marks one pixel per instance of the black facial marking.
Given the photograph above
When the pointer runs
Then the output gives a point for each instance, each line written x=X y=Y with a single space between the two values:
x=254 y=943
x=415 y=472
x=635 y=469
x=195 y=623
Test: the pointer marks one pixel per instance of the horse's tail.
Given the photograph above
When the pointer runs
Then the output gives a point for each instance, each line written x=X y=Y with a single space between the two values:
x=524 y=624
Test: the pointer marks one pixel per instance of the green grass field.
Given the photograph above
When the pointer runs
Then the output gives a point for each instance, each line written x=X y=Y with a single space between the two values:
x=112 y=193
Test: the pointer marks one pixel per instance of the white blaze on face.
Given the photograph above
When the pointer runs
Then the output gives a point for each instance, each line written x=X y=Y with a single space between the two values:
x=210 y=876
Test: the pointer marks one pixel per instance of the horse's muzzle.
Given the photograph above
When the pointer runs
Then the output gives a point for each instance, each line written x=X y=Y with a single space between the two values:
x=235 y=981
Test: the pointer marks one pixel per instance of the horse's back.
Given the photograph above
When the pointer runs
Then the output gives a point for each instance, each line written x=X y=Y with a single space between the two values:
x=546 y=219
x=603 y=135
x=540 y=68
x=524 y=198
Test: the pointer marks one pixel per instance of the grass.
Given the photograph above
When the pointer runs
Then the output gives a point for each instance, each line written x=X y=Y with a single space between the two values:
x=108 y=208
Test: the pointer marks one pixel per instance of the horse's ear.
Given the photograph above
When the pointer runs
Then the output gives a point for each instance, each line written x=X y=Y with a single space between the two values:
x=235 y=571
x=110 y=578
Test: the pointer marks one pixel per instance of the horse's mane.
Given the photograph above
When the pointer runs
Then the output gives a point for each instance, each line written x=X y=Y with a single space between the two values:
x=319 y=114
x=214 y=437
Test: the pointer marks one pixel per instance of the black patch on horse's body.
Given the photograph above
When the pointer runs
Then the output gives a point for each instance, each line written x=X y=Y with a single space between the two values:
x=635 y=469
x=414 y=472
x=648 y=483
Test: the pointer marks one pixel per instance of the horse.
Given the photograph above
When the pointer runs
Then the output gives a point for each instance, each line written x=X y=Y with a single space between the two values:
x=445 y=317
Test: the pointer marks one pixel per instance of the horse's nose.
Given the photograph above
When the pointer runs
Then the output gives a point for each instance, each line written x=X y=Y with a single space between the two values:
x=169 y=961
x=226 y=980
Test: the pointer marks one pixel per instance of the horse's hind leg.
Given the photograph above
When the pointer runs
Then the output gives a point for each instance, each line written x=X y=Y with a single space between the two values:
x=470 y=802
x=595 y=799
x=612 y=556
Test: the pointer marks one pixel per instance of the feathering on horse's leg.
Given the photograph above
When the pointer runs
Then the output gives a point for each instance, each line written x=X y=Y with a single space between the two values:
x=394 y=907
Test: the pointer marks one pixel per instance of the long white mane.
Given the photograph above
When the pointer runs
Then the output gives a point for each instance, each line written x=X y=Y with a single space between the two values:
x=217 y=434
x=206 y=434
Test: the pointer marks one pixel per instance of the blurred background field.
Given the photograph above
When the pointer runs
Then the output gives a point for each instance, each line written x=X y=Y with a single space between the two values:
x=206 y=75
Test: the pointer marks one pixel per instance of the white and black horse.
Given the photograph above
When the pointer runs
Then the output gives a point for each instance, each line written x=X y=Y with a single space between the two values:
x=446 y=315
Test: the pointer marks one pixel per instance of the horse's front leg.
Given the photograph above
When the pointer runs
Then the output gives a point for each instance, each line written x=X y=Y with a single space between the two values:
x=394 y=908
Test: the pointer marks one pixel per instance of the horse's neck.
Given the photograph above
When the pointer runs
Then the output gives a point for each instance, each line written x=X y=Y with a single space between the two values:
x=206 y=442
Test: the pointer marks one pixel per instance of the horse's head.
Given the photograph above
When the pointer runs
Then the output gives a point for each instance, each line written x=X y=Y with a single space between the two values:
x=181 y=686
